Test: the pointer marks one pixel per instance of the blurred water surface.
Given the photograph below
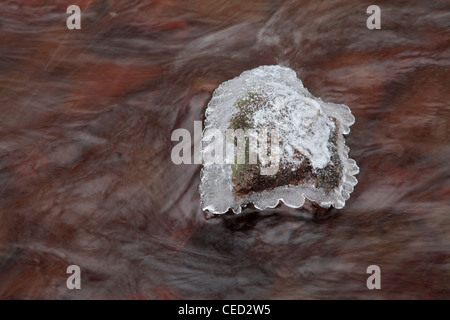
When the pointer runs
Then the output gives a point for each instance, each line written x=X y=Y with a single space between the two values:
x=86 y=177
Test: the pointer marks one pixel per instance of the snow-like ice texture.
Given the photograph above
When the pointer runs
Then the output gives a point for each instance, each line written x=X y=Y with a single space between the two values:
x=304 y=124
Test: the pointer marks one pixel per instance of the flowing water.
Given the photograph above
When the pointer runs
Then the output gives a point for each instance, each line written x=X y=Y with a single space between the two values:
x=86 y=176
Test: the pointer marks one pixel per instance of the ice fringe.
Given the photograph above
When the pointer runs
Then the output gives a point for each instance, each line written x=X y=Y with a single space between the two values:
x=286 y=90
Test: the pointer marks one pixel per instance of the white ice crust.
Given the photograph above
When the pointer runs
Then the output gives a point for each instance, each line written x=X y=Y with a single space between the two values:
x=305 y=125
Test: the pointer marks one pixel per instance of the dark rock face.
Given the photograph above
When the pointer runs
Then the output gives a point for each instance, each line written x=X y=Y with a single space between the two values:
x=247 y=178
x=329 y=177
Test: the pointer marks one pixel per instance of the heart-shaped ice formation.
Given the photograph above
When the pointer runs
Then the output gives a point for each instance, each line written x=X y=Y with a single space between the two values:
x=311 y=157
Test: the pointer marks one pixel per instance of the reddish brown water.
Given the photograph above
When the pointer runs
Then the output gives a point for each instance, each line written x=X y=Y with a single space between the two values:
x=86 y=176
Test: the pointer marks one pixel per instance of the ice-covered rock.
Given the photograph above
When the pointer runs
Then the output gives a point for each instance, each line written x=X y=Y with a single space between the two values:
x=311 y=161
